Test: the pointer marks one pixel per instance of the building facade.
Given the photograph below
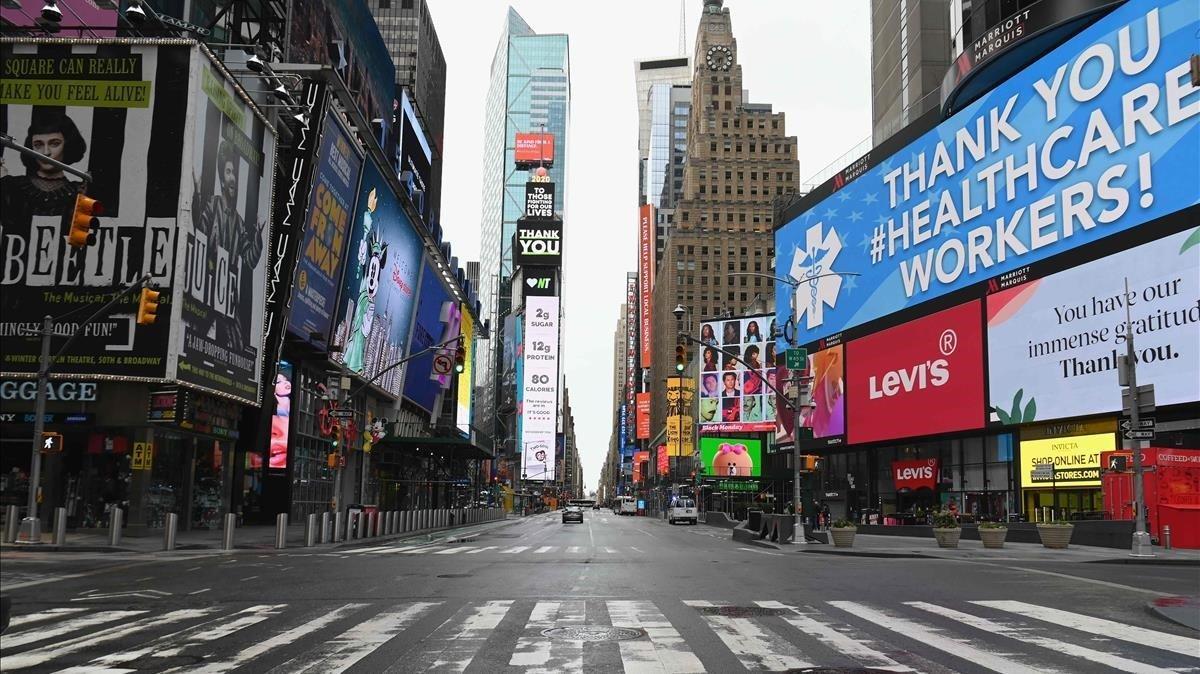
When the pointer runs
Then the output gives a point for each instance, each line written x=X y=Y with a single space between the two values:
x=910 y=52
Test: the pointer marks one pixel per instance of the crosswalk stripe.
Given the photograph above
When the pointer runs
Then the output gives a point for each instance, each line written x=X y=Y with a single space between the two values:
x=453 y=648
x=853 y=647
x=281 y=639
x=1031 y=635
x=935 y=638
x=367 y=551
x=574 y=550
x=73 y=625
x=539 y=655
x=451 y=551
x=754 y=647
x=544 y=549
x=666 y=651
x=610 y=551
x=45 y=654
x=393 y=549
x=514 y=550
x=340 y=653
x=421 y=551
x=48 y=614
x=1113 y=630
x=479 y=550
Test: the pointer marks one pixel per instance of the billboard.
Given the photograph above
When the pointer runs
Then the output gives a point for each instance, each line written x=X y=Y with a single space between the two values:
x=462 y=413
x=646 y=279
x=218 y=344
x=319 y=268
x=539 y=407
x=538 y=243
x=681 y=401
x=416 y=157
x=379 y=287
x=437 y=320
x=1053 y=342
x=1075 y=460
x=827 y=414
x=631 y=337
x=641 y=466
x=919 y=378
x=730 y=457
x=535 y=149
x=277 y=455
x=539 y=200
x=538 y=282
x=734 y=397
x=643 y=416
x=1098 y=136
x=126 y=126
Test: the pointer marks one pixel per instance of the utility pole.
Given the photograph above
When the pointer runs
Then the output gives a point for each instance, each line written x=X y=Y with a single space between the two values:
x=1127 y=371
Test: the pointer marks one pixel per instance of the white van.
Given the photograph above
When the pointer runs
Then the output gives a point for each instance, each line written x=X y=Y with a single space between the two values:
x=628 y=506
x=682 y=510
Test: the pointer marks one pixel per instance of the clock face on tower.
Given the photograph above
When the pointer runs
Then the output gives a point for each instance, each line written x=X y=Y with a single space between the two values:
x=719 y=57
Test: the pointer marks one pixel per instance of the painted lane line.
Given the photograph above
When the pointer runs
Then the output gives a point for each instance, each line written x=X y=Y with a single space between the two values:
x=201 y=591
x=48 y=614
x=756 y=648
x=67 y=626
x=515 y=550
x=544 y=549
x=1110 y=629
x=538 y=655
x=762 y=552
x=479 y=550
x=72 y=576
x=574 y=550
x=665 y=652
x=1078 y=579
x=840 y=638
x=341 y=652
x=1032 y=635
x=935 y=638
x=452 y=649
x=636 y=549
x=367 y=551
x=291 y=636
x=452 y=551
x=45 y=654
x=249 y=578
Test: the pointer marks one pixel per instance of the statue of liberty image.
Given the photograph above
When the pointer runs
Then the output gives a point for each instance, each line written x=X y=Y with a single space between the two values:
x=372 y=256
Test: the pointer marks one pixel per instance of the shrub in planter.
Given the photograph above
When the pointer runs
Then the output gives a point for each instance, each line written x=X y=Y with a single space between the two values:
x=842 y=531
x=992 y=534
x=946 y=530
x=1055 y=535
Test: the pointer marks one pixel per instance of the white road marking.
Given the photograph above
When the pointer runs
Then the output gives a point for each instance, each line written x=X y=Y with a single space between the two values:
x=537 y=654
x=610 y=551
x=249 y=578
x=48 y=614
x=637 y=549
x=34 y=635
x=1032 y=635
x=1108 y=628
x=514 y=550
x=836 y=638
x=72 y=576
x=45 y=654
x=282 y=639
x=393 y=549
x=1079 y=579
x=452 y=648
x=574 y=549
x=666 y=651
x=201 y=591
x=452 y=551
x=762 y=552
x=756 y=648
x=935 y=638
x=421 y=551
x=479 y=550
x=367 y=551
x=544 y=549
x=341 y=652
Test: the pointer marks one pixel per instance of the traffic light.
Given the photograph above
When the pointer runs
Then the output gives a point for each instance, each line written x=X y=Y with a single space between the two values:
x=460 y=357
x=52 y=443
x=680 y=357
x=148 y=307
x=810 y=463
x=83 y=219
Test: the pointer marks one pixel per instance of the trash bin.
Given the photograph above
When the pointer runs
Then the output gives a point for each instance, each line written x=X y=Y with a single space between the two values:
x=353 y=511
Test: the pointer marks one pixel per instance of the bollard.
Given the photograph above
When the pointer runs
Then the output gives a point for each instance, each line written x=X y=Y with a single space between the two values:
x=372 y=524
x=60 y=526
x=391 y=524
x=281 y=531
x=12 y=523
x=380 y=520
x=116 y=519
x=227 y=533
x=1166 y=537
x=310 y=530
x=326 y=533
x=408 y=522
x=339 y=526
x=362 y=525
x=170 y=527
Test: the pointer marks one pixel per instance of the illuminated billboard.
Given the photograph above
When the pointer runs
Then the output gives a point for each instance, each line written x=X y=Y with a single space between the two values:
x=534 y=149
x=730 y=457
x=538 y=409
x=736 y=364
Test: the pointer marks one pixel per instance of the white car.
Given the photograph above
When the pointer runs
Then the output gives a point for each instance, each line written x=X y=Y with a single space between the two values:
x=682 y=510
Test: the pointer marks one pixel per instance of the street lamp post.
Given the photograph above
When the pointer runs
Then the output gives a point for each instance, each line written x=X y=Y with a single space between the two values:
x=680 y=311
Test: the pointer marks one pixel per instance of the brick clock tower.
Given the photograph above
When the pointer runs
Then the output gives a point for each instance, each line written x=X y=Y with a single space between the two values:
x=738 y=161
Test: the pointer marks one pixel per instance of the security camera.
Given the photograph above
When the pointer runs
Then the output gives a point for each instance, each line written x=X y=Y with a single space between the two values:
x=135 y=14
x=255 y=64
x=51 y=12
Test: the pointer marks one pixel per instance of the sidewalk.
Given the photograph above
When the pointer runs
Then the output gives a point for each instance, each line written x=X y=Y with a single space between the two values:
x=257 y=538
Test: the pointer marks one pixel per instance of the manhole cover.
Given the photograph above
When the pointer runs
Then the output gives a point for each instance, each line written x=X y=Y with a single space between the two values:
x=740 y=611
x=593 y=633
x=454 y=575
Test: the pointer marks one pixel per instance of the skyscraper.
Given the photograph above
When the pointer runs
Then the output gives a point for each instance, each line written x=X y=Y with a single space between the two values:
x=670 y=105
x=648 y=75
x=529 y=91
x=910 y=52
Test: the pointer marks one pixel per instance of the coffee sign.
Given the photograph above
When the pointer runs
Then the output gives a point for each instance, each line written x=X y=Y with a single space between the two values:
x=75 y=391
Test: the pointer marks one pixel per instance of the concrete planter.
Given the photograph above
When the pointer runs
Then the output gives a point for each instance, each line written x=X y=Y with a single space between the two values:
x=993 y=538
x=947 y=538
x=1055 y=536
x=843 y=538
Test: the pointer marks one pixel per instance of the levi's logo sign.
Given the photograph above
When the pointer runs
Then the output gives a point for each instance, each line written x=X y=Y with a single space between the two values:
x=918 y=377
x=917 y=473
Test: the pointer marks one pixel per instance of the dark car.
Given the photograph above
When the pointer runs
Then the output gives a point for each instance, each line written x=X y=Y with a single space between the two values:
x=572 y=514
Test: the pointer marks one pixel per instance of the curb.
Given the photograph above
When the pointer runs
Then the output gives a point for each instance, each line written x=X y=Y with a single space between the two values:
x=1150 y=561
x=1183 y=611
x=877 y=555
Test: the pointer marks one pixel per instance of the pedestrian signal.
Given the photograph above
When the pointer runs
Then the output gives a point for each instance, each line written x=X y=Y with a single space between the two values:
x=52 y=443
x=810 y=463
x=83 y=219
x=147 y=307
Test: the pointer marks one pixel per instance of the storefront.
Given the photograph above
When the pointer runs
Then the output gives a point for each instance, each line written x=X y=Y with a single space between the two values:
x=1060 y=469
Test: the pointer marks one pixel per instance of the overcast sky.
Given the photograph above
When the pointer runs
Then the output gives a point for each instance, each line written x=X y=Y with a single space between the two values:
x=810 y=59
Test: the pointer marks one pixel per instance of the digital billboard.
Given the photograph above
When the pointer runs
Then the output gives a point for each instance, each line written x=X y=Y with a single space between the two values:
x=538 y=243
x=642 y=406
x=326 y=233
x=1096 y=137
x=534 y=149
x=827 y=414
x=631 y=337
x=218 y=344
x=281 y=420
x=646 y=245
x=681 y=403
x=539 y=200
x=539 y=386
x=415 y=163
x=641 y=466
x=730 y=457
x=379 y=286
x=1053 y=342
x=117 y=111
x=734 y=372
x=1075 y=460
x=919 y=378
x=466 y=391
x=437 y=320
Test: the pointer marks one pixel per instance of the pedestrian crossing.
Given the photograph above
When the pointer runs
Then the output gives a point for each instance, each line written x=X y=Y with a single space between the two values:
x=572 y=635
x=456 y=549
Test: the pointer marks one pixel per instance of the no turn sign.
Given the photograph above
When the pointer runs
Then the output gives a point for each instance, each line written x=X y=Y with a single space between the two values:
x=442 y=364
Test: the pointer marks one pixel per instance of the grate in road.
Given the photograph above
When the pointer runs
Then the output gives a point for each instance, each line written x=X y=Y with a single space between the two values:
x=454 y=575
x=740 y=611
x=593 y=633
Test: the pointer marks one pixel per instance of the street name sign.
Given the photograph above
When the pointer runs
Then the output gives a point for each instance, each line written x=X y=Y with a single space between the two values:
x=796 y=359
x=341 y=414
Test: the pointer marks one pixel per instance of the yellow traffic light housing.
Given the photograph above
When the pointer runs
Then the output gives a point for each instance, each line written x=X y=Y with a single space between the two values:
x=148 y=307
x=83 y=219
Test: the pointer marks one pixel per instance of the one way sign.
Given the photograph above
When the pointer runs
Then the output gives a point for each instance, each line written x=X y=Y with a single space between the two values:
x=1143 y=423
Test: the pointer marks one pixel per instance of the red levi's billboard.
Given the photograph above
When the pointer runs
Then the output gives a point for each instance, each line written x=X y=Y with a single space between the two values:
x=915 y=474
x=919 y=378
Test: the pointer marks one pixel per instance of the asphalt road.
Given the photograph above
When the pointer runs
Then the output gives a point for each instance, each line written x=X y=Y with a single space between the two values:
x=615 y=594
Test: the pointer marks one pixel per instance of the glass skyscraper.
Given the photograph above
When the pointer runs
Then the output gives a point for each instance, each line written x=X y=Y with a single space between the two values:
x=529 y=91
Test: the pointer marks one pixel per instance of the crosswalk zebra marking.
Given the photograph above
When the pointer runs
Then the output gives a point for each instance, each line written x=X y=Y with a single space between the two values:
x=340 y=653
x=515 y=550
x=574 y=550
x=421 y=551
x=1031 y=636
x=539 y=655
x=479 y=550
x=543 y=550
x=664 y=652
x=48 y=614
x=850 y=646
x=451 y=551
x=452 y=648
x=16 y=640
x=610 y=551
x=935 y=638
x=247 y=654
x=753 y=646
x=393 y=550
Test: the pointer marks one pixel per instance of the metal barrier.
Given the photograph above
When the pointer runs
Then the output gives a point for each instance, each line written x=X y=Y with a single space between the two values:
x=339 y=526
x=1166 y=537
x=310 y=530
x=116 y=519
x=326 y=532
x=227 y=533
x=170 y=528
x=281 y=531
x=60 y=526
x=12 y=523
x=362 y=525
